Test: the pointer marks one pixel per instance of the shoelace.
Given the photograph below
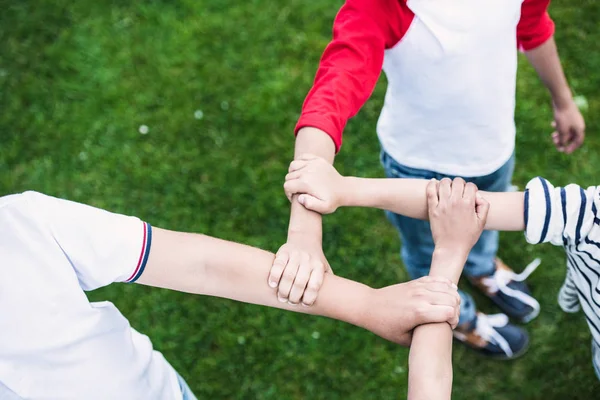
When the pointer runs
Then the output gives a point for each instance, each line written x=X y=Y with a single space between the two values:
x=486 y=328
x=501 y=278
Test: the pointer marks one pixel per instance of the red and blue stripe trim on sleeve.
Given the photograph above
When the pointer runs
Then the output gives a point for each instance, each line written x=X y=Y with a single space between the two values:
x=143 y=259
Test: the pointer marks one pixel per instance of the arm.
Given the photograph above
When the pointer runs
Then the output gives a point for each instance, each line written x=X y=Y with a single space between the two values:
x=301 y=258
x=450 y=205
x=408 y=197
x=346 y=77
x=430 y=358
x=324 y=190
x=104 y=247
x=204 y=265
x=534 y=34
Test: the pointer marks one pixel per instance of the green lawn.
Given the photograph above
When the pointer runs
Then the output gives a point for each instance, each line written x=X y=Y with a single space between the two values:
x=78 y=79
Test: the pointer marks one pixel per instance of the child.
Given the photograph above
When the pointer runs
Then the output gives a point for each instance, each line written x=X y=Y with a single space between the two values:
x=448 y=111
x=567 y=217
x=55 y=344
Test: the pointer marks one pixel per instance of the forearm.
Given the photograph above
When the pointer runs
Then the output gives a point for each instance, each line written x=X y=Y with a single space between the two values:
x=204 y=265
x=546 y=62
x=430 y=359
x=310 y=141
x=408 y=197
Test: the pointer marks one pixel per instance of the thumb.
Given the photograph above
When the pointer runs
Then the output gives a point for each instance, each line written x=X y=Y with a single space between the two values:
x=432 y=194
x=314 y=204
x=482 y=206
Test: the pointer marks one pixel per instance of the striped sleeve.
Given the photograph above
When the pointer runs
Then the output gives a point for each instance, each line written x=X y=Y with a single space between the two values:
x=561 y=216
x=567 y=296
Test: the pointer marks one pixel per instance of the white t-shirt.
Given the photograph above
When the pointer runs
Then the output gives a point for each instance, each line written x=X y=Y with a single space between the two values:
x=54 y=343
x=450 y=101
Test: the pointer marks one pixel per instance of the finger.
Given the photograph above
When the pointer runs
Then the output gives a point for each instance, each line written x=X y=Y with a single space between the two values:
x=455 y=318
x=281 y=260
x=445 y=298
x=295 y=186
x=314 y=204
x=312 y=288
x=434 y=314
x=288 y=276
x=470 y=192
x=300 y=282
x=431 y=279
x=577 y=140
x=308 y=157
x=482 y=207
x=432 y=194
x=297 y=165
x=294 y=175
x=445 y=189
x=442 y=287
x=555 y=138
x=562 y=138
x=458 y=188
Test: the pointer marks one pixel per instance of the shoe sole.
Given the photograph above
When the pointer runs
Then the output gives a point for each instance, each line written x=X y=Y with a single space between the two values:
x=498 y=357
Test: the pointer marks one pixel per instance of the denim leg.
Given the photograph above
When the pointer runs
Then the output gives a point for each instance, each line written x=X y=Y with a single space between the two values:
x=185 y=389
x=417 y=248
x=481 y=259
x=596 y=358
x=417 y=242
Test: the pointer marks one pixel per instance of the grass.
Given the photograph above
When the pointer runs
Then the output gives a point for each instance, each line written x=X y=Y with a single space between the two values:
x=78 y=79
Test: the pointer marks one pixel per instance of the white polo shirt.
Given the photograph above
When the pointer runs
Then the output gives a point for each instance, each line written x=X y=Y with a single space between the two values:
x=54 y=343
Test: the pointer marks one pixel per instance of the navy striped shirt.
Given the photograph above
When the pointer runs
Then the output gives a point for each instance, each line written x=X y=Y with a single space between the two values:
x=569 y=217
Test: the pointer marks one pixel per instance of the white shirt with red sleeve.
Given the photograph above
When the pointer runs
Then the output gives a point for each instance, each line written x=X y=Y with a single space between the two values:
x=451 y=70
x=54 y=343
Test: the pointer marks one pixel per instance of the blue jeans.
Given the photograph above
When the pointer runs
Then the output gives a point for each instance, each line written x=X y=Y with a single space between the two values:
x=417 y=243
x=596 y=358
x=185 y=389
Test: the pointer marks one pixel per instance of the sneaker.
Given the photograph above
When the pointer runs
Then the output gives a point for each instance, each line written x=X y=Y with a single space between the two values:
x=508 y=290
x=493 y=336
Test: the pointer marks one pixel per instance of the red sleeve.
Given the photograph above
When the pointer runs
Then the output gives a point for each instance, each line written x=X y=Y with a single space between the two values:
x=535 y=26
x=351 y=64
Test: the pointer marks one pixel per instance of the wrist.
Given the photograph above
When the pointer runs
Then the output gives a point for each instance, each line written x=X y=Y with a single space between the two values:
x=351 y=192
x=305 y=234
x=344 y=197
x=448 y=262
x=562 y=99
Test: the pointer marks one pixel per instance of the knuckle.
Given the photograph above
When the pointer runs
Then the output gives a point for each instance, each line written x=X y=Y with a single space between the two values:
x=420 y=311
x=299 y=284
x=288 y=275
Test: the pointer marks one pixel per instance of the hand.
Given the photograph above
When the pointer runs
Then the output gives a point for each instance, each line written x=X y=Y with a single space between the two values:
x=395 y=311
x=320 y=186
x=298 y=270
x=457 y=214
x=569 y=127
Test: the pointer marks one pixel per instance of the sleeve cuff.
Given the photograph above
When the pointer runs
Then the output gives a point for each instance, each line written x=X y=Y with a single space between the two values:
x=144 y=253
x=538 y=210
x=323 y=124
x=544 y=32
